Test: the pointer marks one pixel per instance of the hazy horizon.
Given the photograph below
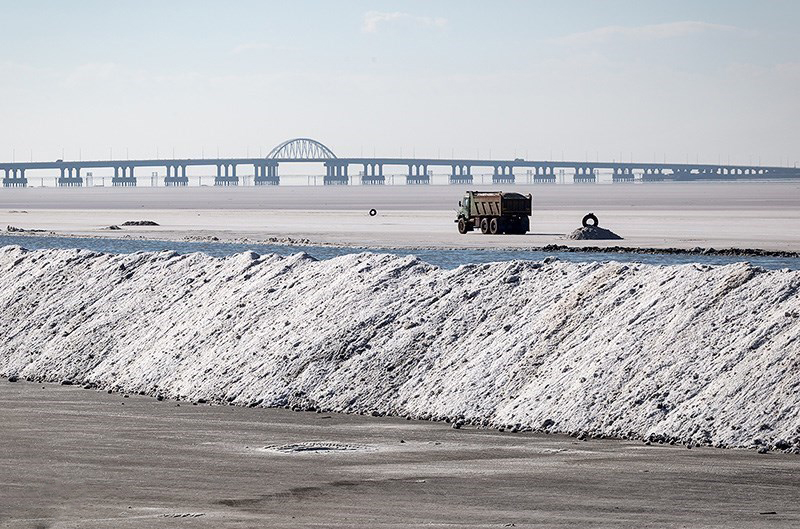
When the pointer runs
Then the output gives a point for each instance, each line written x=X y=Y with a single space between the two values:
x=584 y=80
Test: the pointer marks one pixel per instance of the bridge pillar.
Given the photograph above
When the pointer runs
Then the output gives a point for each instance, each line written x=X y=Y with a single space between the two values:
x=226 y=175
x=268 y=174
x=683 y=173
x=651 y=175
x=373 y=174
x=15 y=178
x=621 y=175
x=461 y=174
x=66 y=178
x=584 y=175
x=541 y=175
x=503 y=174
x=335 y=173
x=418 y=175
x=176 y=176
x=128 y=178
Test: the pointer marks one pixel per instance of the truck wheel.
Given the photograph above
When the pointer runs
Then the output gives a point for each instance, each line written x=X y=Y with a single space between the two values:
x=494 y=226
x=484 y=225
x=512 y=227
x=462 y=226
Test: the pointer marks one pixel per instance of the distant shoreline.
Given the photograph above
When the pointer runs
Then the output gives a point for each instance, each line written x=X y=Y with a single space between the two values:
x=554 y=248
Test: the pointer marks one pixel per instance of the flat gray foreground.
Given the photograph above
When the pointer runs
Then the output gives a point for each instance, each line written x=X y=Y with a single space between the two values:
x=81 y=458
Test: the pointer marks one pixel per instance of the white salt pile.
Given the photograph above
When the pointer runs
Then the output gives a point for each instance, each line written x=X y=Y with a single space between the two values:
x=675 y=353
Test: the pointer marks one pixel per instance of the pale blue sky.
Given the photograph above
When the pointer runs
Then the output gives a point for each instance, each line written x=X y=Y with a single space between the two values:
x=713 y=79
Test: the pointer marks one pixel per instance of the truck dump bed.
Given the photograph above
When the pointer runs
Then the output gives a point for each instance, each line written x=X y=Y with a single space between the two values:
x=484 y=204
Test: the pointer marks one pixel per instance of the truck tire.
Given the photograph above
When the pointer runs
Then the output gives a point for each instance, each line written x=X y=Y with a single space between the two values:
x=484 y=225
x=494 y=226
x=589 y=220
x=512 y=227
x=462 y=226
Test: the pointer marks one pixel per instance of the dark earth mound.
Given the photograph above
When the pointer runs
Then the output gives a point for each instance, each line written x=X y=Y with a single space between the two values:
x=593 y=233
x=139 y=223
x=14 y=229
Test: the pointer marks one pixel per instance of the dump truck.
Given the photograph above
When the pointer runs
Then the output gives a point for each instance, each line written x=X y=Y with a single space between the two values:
x=494 y=212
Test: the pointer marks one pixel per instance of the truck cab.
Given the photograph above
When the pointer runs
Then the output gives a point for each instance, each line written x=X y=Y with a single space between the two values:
x=463 y=207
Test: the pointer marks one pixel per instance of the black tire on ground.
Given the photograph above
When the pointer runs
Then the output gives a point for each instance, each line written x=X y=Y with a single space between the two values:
x=373 y=212
x=589 y=220
x=484 y=225
x=494 y=226
x=462 y=226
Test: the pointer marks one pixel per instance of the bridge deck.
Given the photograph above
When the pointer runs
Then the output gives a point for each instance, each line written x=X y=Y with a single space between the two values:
x=434 y=162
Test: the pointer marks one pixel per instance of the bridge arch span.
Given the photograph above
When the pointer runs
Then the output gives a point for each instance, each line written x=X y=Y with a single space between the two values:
x=302 y=149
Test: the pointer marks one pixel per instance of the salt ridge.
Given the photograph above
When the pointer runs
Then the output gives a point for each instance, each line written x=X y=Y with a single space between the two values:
x=689 y=353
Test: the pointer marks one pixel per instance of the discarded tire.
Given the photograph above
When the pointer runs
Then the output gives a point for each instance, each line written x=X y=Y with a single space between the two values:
x=589 y=220
x=373 y=212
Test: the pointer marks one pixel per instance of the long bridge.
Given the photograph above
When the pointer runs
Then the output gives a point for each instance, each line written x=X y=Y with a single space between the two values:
x=337 y=169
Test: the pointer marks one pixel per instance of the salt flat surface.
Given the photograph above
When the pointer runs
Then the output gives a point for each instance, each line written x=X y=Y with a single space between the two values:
x=686 y=353
x=87 y=459
x=686 y=215
x=78 y=458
